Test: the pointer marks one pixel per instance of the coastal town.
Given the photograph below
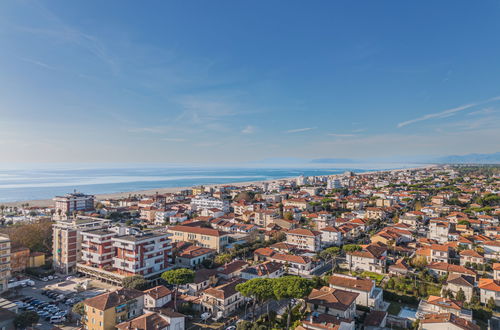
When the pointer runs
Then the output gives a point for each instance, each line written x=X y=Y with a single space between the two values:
x=402 y=249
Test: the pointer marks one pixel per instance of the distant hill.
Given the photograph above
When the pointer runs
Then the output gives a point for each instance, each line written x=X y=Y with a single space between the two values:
x=334 y=161
x=493 y=158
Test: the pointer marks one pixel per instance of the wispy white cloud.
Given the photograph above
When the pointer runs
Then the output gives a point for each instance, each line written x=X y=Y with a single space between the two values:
x=298 y=130
x=39 y=63
x=249 y=129
x=341 y=135
x=485 y=111
x=446 y=113
x=442 y=114
x=173 y=139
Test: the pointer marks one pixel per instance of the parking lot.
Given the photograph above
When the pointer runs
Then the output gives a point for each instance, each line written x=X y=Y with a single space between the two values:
x=56 y=297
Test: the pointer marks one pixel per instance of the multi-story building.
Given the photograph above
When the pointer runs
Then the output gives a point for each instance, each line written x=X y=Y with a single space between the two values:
x=204 y=237
x=104 y=311
x=145 y=254
x=222 y=300
x=74 y=202
x=368 y=294
x=67 y=239
x=304 y=239
x=4 y=261
x=439 y=230
x=97 y=248
x=201 y=202
x=332 y=301
x=19 y=259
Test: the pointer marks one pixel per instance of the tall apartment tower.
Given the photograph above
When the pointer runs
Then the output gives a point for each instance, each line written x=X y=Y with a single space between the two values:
x=4 y=262
x=67 y=241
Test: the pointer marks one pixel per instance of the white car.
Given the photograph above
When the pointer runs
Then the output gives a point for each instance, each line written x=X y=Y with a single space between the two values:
x=205 y=316
x=57 y=319
x=45 y=279
x=50 y=277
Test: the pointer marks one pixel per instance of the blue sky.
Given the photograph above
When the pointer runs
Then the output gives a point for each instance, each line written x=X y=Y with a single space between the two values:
x=229 y=81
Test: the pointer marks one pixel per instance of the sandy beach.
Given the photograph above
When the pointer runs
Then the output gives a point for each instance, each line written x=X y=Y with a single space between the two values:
x=124 y=194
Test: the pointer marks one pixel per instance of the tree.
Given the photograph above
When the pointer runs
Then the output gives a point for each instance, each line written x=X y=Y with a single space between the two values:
x=288 y=216
x=330 y=253
x=78 y=308
x=36 y=236
x=223 y=258
x=178 y=277
x=288 y=287
x=491 y=303
x=26 y=319
x=260 y=289
x=135 y=282
x=351 y=248
x=460 y=295
x=419 y=262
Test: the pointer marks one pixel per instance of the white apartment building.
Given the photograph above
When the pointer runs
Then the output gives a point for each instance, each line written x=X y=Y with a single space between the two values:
x=208 y=202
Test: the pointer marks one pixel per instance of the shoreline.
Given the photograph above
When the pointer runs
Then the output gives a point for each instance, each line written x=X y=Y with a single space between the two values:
x=164 y=190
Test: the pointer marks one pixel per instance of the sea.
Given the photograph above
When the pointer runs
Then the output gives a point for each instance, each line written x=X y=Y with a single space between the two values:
x=35 y=182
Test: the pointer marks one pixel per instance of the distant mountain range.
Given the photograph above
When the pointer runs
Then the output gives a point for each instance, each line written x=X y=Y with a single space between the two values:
x=493 y=158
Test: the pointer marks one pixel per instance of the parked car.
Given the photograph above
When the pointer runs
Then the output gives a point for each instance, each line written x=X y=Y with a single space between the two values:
x=205 y=316
x=57 y=319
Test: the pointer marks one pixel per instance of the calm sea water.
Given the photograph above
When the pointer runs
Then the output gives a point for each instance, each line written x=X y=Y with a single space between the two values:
x=17 y=184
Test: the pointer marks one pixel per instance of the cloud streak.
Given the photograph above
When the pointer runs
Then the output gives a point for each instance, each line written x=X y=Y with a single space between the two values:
x=249 y=129
x=446 y=113
x=341 y=135
x=298 y=130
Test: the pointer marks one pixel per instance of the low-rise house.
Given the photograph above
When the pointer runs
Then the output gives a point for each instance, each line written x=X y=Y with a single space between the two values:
x=104 y=311
x=456 y=282
x=496 y=271
x=371 y=258
x=223 y=300
x=438 y=305
x=375 y=320
x=317 y=321
x=399 y=268
x=204 y=237
x=203 y=279
x=157 y=297
x=267 y=269
x=489 y=288
x=193 y=256
x=161 y=320
x=443 y=268
x=470 y=257
x=368 y=294
x=491 y=249
x=332 y=301
x=448 y=321
x=434 y=253
x=232 y=269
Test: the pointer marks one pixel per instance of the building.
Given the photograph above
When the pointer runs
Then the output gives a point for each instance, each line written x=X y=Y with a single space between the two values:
x=489 y=288
x=446 y=321
x=4 y=262
x=368 y=294
x=67 y=240
x=144 y=254
x=73 y=202
x=165 y=319
x=157 y=297
x=97 y=248
x=332 y=301
x=469 y=257
x=371 y=258
x=192 y=256
x=304 y=239
x=19 y=259
x=455 y=283
x=104 y=311
x=330 y=236
x=204 y=237
x=438 y=305
x=36 y=259
x=221 y=301
x=267 y=269
x=201 y=202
